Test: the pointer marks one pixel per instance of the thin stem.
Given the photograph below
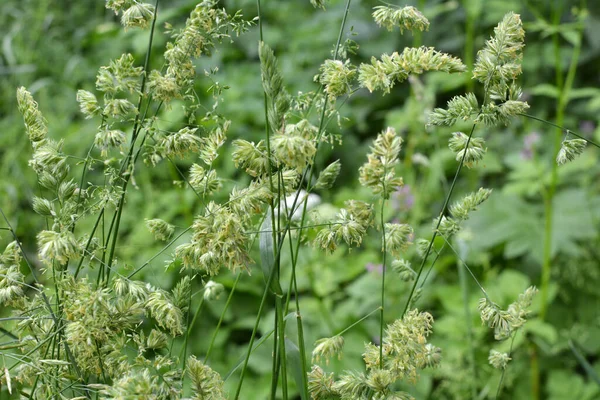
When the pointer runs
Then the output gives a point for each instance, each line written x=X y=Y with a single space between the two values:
x=564 y=87
x=135 y=133
x=275 y=359
x=279 y=360
x=565 y=130
x=254 y=330
x=357 y=322
x=469 y=330
x=89 y=243
x=439 y=221
x=381 y=314
x=469 y=49
x=183 y=352
x=159 y=253
x=466 y=267
x=504 y=370
x=214 y=336
x=281 y=340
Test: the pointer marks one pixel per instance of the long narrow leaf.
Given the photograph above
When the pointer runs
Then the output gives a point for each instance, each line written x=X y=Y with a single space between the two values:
x=294 y=361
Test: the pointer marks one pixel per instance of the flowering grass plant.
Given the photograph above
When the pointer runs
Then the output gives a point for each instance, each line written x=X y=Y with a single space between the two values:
x=82 y=326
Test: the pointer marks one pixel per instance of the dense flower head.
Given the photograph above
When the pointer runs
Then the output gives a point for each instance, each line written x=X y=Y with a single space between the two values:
x=378 y=173
x=328 y=176
x=505 y=322
x=161 y=229
x=405 y=347
x=207 y=384
x=11 y=278
x=404 y=270
x=408 y=18
x=219 y=239
x=461 y=209
x=498 y=63
x=569 y=150
x=468 y=150
x=337 y=77
x=119 y=76
x=346 y=226
x=250 y=156
x=35 y=123
x=88 y=104
x=497 y=67
x=212 y=290
x=96 y=319
x=498 y=359
x=320 y=384
x=107 y=139
x=327 y=348
x=294 y=148
x=57 y=246
x=397 y=237
x=138 y=15
x=384 y=74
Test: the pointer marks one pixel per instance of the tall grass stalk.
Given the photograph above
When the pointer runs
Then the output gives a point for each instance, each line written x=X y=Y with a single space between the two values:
x=564 y=86
x=438 y=223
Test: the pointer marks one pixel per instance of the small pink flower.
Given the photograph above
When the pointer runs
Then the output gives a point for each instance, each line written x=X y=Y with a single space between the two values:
x=378 y=268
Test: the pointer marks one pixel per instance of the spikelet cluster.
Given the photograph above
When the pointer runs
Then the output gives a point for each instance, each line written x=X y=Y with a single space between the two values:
x=497 y=68
x=157 y=380
x=57 y=246
x=295 y=147
x=48 y=161
x=405 y=349
x=206 y=383
x=498 y=359
x=250 y=156
x=134 y=13
x=161 y=229
x=459 y=212
x=11 y=278
x=212 y=290
x=469 y=151
x=405 y=352
x=97 y=319
x=326 y=348
x=379 y=173
x=505 y=322
x=350 y=225
x=404 y=270
x=408 y=18
x=569 y=150
x=337 y=77
x=391 y=69
x=35 y=123
x=498 y=64
x=328 y=176
x=397 y=237
x=219 y=239
x=321 y=384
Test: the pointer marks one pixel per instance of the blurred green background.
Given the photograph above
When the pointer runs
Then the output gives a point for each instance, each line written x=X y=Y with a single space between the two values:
x=55 y=47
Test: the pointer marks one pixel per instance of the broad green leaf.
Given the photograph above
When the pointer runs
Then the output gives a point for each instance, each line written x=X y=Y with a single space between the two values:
x=294 y=361
x=267 y=254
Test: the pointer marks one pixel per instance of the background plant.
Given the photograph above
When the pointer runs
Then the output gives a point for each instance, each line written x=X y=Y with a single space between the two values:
x=511 y=218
